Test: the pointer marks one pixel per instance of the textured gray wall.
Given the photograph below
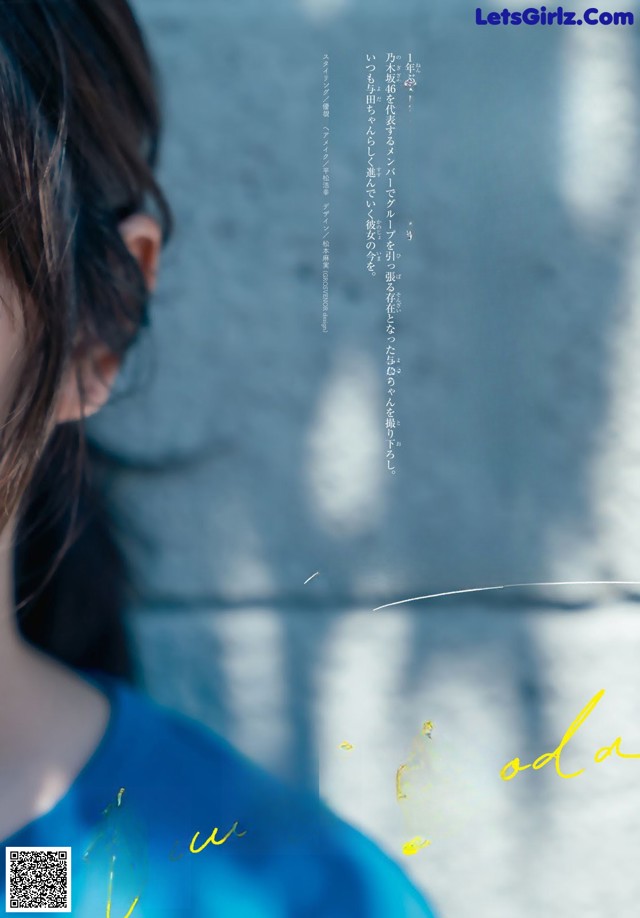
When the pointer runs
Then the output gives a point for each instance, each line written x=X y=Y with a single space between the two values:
x=252 y=454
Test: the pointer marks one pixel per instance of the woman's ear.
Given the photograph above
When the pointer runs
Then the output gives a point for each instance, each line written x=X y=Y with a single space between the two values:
x=143 y=237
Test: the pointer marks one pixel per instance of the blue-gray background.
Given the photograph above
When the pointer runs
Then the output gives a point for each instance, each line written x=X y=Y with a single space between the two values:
x=251 y=455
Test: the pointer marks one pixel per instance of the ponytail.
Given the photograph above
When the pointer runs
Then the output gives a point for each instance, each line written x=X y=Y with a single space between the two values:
x=71 y=579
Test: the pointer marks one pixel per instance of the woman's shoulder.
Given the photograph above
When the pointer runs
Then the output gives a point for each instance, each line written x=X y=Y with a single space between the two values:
x=175 y=756
x=200 y=804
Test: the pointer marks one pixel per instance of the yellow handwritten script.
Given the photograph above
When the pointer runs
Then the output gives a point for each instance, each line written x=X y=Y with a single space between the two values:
x=116 y=808
x=124 y=842
x=414 y=763
x=400 y=794
x=413 y=846
x=512 y=768
x=213 y=840
x=435 y=792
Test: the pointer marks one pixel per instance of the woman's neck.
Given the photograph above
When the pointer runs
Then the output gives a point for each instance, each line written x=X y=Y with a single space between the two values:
x=51 y=720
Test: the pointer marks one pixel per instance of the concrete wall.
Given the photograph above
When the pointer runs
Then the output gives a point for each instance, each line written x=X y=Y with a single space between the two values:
x=252 y=452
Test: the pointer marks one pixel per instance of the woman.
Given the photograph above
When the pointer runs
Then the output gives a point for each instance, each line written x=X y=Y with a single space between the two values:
x=159 y=817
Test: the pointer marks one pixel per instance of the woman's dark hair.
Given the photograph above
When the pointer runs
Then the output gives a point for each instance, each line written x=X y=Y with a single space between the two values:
x=79 y=132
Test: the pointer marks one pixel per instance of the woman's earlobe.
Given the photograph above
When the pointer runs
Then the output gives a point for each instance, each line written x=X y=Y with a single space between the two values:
x=98 y=372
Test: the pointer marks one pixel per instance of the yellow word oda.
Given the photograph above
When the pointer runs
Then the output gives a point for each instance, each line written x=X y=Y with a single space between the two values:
x=514 y=765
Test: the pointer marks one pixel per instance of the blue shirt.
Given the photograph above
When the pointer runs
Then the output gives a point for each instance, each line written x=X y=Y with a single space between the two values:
x=156 y=779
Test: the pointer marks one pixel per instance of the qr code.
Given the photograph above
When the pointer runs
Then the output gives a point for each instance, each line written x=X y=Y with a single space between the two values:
x=38 y=880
